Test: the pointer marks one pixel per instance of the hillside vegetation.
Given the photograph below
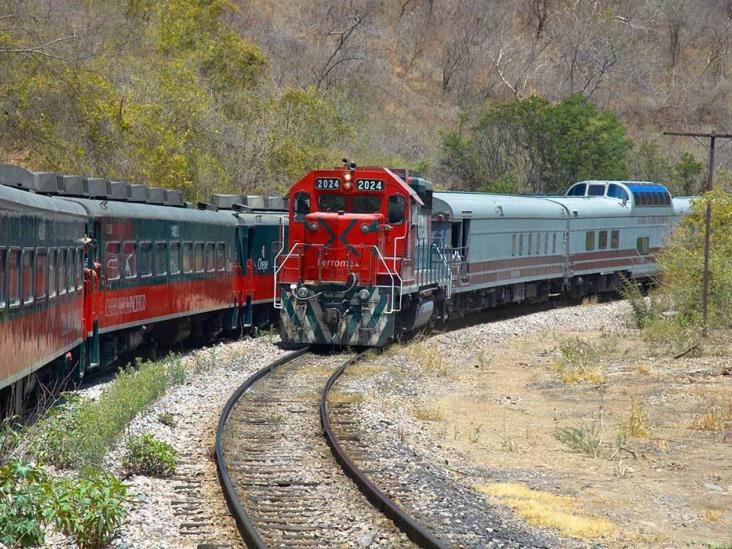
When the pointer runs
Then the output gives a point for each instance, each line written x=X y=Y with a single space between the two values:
x=246 y=95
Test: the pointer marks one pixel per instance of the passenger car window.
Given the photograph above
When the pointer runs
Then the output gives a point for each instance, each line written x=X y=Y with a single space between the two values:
x=554 y=243
x=396 y=209
x=590 y=240
x=27 y=275
x=198 y=257
x=513 y=245
x=111 y=260
x=174 y=258
x=602 y=240
x=366 y=204
x=14 y=277
x=3 y=273
x=331 y=202
x=642 y=244
x=616 y=191
x=129 y=260
x=188 y=257
x=52 y=281
x=528 y=248
x=160 y=258
x=144 y=261
x=41 y=257
x=210 y=265
x=614 y=239
x=220 y=256
x=71 y=271
x=79 y=268
x=596 y=190
x=521 y=244
x=61 y=270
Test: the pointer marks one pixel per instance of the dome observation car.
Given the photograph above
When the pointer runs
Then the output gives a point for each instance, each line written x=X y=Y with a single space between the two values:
x=643 y=193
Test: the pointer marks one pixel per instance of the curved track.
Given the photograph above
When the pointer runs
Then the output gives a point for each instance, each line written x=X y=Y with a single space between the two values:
x=280 y=479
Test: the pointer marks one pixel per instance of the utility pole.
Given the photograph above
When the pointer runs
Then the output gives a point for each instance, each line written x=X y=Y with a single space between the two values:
x=707 y=217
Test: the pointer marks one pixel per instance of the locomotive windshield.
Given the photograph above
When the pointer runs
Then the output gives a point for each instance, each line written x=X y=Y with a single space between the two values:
x=357 y=204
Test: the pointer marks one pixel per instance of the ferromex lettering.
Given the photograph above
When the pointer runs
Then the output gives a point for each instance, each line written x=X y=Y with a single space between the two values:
x=125 y=305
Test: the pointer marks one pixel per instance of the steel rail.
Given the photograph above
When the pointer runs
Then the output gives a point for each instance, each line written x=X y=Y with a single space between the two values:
x=404 y=521
x=243 y=520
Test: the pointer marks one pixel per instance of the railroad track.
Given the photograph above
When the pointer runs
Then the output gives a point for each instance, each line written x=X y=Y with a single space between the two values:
x=280 y=478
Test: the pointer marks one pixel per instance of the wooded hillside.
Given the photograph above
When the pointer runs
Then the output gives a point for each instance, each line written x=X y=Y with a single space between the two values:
x=247 y=95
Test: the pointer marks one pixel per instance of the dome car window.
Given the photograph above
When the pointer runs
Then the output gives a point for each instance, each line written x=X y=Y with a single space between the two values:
x=577 y=190
x=331 y=202
x=365 y=203
x=616 y=191
x=396 y=210
x=596 y=190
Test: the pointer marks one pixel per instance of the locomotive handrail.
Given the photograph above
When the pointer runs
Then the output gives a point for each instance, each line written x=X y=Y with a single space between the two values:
x=393 y=285
x=277 y=302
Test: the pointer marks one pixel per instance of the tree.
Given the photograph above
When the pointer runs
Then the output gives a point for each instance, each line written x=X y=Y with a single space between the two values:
x=687 y=171
x=547 y=146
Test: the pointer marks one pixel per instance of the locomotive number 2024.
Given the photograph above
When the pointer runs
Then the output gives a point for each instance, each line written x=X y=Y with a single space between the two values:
x=369 y=185
x=327 y=183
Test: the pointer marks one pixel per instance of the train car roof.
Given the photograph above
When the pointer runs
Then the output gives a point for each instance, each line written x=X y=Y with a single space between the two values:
x=260 y=218
x=466 y=205
x=133 y=210
x=682 y=204
x=39 y=201
x=593 y=206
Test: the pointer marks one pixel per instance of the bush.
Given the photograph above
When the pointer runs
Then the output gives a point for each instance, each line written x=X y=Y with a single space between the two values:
x=89 y=510
x=146 y=455
x=579 y=361
x=79 y=433
x=24 y=505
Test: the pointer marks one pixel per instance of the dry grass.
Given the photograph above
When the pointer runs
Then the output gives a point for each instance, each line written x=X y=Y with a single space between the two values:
x=715 y=416
x=339 y=397
x=549 y=511
x=427 y=356
x=635 y=424
x=593 y=299
x=579 y=362
x=428 y=413
x=712 y=515
x=364 y=369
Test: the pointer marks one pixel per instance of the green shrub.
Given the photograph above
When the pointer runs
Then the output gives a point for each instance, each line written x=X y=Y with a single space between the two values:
x=640 y=308
x=146 y=455
x=87 y=509
x=24 y=504
x=79 y=433
x=90 y=509
x=167 y=419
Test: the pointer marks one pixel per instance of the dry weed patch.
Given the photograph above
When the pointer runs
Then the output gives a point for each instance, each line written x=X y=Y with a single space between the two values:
x=428 y=413
x=427 y=356
x=715 y=416
x=339 y=397
x=549 y=511
x=635 y=424
x=580 y=361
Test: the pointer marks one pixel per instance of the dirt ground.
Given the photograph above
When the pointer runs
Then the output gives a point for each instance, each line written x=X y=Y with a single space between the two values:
x=632 y=434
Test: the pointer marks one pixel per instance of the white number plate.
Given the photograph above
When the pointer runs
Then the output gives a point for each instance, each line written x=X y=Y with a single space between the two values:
x=369 y=185
x=327 y=183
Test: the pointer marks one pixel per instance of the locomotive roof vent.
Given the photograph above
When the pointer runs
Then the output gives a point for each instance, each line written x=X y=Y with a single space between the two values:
x=174 y=198
x=156 y=195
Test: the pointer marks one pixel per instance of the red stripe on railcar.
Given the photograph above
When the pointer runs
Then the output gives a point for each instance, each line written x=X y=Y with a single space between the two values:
x=136 y=305
x=33 y=339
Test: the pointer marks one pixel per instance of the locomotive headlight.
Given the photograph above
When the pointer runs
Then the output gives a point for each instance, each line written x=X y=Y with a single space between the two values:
x=364 y=228
x=347 y=176
x=311 y=226
x=363 y=294
x=302 y=292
